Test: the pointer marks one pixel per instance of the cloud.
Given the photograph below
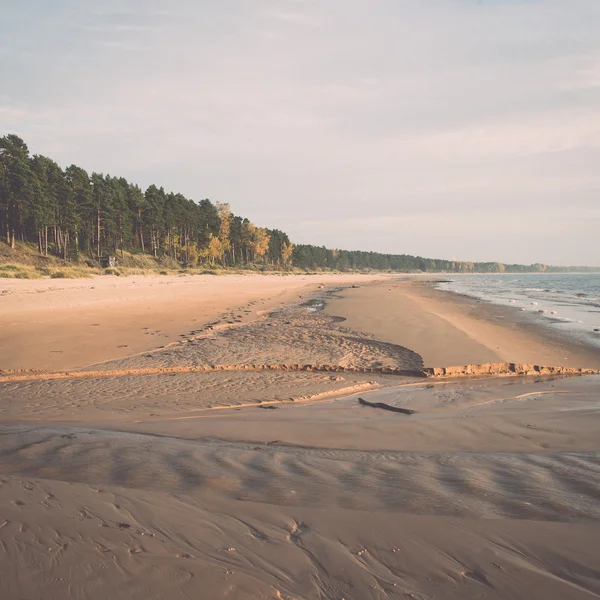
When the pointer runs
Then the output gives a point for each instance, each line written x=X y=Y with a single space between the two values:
x=297 y=112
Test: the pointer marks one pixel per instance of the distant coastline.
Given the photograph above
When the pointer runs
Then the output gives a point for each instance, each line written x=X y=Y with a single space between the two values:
x=52 y=217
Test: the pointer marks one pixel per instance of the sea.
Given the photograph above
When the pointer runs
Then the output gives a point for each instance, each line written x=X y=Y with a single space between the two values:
x=569 y=303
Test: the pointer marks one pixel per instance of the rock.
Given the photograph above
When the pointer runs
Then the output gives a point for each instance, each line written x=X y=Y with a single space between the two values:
x=505 y=369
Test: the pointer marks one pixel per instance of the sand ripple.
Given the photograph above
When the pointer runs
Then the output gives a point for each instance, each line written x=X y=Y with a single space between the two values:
x=559 y=487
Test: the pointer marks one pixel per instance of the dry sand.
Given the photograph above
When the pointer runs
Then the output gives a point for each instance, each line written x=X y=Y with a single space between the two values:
x=278 y=484
x=66 y=324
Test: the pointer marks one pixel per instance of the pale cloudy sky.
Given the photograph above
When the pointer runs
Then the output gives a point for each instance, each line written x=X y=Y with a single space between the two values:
x=445 y=128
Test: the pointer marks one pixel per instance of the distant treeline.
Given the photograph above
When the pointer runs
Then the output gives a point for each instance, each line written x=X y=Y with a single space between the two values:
x=72 y=214
x=311 y=257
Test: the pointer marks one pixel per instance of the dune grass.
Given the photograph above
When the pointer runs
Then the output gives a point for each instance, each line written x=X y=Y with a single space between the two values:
x=25 y=262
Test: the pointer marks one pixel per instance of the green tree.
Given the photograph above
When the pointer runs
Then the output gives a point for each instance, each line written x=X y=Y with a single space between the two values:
x=18 y=187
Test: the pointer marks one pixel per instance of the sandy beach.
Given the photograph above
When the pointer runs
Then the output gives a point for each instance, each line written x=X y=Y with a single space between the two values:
x=449 y=329
x=66 y=324
x=131 y=474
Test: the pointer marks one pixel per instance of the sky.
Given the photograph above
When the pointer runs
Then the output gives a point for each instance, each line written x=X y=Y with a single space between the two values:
x=458 y=129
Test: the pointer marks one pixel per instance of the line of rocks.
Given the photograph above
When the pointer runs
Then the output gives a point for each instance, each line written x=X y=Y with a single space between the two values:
x=435 y=372
x=505 y=369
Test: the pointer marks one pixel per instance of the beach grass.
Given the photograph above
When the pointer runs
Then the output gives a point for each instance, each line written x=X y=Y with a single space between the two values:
x=25 y=262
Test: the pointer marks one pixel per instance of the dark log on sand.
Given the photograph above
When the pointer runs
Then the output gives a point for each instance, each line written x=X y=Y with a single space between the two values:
x=382 y=405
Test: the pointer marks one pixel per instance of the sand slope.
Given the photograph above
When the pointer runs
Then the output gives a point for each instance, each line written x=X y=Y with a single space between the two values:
x=448 y=330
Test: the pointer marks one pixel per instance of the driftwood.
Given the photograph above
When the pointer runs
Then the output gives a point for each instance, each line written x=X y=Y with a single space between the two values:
x=382 y=405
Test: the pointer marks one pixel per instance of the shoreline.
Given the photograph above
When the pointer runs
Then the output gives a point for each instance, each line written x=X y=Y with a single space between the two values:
x=124 y=318
x=449 y=329
x=544 y=298
x=530 y=320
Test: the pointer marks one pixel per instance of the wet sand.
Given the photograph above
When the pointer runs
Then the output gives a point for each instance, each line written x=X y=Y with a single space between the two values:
x=447 y=329
x=279 y=484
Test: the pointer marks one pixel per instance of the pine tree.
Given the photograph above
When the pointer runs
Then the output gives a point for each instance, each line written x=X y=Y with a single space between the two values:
x=18 y=187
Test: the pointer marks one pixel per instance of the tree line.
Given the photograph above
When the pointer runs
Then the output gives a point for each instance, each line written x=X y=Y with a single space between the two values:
x=314 y=257
x=73 y=214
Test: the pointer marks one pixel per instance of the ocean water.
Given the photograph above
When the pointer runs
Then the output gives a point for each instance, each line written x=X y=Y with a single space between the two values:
x=566 y=302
